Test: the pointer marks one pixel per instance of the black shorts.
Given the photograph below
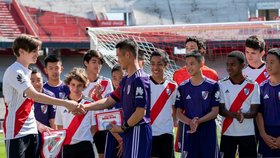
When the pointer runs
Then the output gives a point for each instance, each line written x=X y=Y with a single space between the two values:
x=100 y=140
x=247 y=146
x=83 y=149
x=23 y=147
x=162 y=146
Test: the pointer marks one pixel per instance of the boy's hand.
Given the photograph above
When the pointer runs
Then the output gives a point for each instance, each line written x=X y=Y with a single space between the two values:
x=115 y=128
x=42 y=128
x=270 y=141
x=71 y=105
x=193 y=125
x=79 y=110
x=239 y=116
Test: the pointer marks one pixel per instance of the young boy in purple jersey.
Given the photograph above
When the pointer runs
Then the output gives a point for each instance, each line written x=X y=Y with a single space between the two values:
x=268 y=118
x=43 y=113
x=197 y=106
x=133 y=94
x=54 y=68
x=113 y=145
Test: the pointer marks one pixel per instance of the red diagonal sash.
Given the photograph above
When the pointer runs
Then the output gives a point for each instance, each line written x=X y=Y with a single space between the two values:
x=261 y=77
x=104 y=84
x=73 y=127
x=162 y=99
x=237 y=103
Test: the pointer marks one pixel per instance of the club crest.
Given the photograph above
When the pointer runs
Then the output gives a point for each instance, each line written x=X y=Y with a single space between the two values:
x=168 y=91
x=62 y=95
x=265 y=74
x=128 y=89
x=44 y=109
x=246 y=91
x=204 y=94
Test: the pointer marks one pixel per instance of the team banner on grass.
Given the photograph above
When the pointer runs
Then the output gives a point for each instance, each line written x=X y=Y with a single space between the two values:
x=52 y=143
x=104 y=119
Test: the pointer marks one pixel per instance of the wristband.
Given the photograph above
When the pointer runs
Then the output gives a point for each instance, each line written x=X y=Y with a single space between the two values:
x=125 y=127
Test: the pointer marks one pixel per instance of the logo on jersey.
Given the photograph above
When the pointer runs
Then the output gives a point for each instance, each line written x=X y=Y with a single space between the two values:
x=246 y=91
x=44 y=109
x=20 y=78
x=204 y=94
x=62 y=95
x=168 y=91
x=279 y=95
x=217 y=96
x=227 y=91
x=265 y=74
x=178 y=96
x=65 y=111
x=188 y=97
x=128 y=89
x=266 y=96
x=102 y=88
x=139 y=92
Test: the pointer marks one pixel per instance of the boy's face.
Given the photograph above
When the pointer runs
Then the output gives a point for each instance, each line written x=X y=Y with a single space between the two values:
x=116 y=78
x=76 y=87
x=234 y=67
x=93 y=65
x=37 y=81
x=253 y=55
x=193 y=66
x=54 y=69
x=157 y=66
x=29 y=57
x=272 y=64
x=123 y=58
x=191 y=46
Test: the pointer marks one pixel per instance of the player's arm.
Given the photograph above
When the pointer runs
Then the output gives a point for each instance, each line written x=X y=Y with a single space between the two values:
x=101 y=104
x=175 y=119
x=52 y=124
x=45 y=99
x=225 y=113
x=181 y=116
x=252 y=113
x=138 y=114
x=210 y=116
x=93 y=130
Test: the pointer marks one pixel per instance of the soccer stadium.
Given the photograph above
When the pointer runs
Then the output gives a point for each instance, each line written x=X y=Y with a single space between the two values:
x=68 y=29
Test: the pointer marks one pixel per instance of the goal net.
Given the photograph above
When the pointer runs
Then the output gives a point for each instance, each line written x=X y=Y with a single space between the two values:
x=221 y=38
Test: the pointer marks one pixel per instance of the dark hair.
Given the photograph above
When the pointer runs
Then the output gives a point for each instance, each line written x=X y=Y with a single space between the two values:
x=141 y=54
x=275 y=51
x=199 y=41
x=78 y=74
x=116 y=68
x=255 y=42
x=238 y=55
x=196 y=54
x=52 y=58
x=26 y=42
x=91 y=54
x=162 y=54
x=34 y=70
x=128 y=44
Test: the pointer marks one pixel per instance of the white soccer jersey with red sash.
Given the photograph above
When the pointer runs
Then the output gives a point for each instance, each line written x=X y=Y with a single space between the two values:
x=259 y=74
x=19 y=119
x=77 y=127
x=163 y=97
x=106 y=87
x=236 y=97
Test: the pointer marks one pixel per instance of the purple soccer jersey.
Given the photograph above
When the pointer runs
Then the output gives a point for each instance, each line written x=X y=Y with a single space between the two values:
x=197 y=101
x=44 y=112
x=61 y=91
x=133 y=92
x=270 y=103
